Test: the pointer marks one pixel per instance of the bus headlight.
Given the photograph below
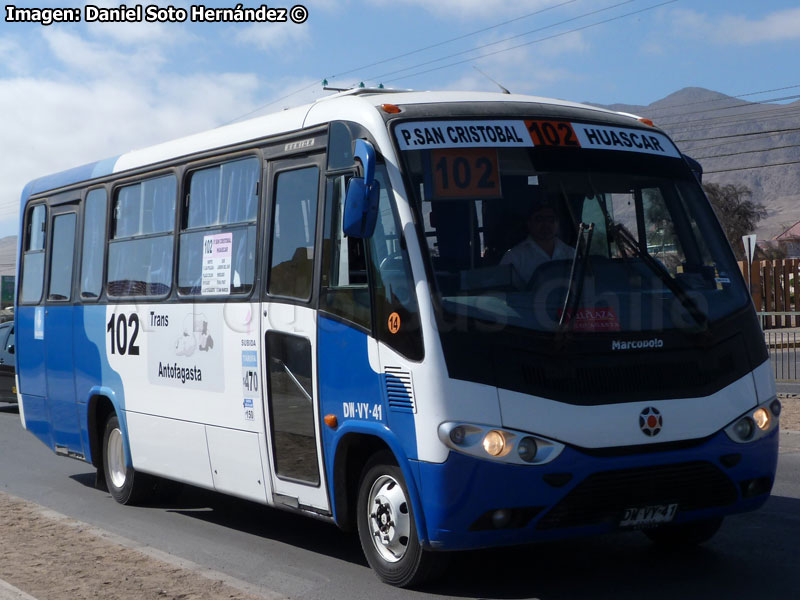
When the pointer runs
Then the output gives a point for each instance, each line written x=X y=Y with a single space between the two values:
x=754 y=424
x=761 y=418
x=495 y=443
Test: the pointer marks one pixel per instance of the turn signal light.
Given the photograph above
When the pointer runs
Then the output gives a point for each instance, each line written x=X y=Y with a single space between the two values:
x=647 y=121
x=392 y=109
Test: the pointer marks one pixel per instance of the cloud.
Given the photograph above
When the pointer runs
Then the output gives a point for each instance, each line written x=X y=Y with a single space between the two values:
x=55 y=125
x=467 y=9
x=738 y=30
x=97 y=59
x=14 y=59
x=271 y=37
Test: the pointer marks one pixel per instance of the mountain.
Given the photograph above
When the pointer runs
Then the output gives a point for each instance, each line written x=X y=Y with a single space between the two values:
x=708 y=126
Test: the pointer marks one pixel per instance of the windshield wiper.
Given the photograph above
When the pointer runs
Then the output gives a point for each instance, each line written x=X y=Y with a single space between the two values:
x=576 y=276
x=623 y=237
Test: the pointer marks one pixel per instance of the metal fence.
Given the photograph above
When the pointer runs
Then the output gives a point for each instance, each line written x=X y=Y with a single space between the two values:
x=783 y=353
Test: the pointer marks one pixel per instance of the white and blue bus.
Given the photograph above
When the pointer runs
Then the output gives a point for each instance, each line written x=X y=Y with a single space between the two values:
x=447 y=320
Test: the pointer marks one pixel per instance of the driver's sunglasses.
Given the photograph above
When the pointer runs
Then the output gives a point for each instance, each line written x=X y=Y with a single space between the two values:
x=551 y=219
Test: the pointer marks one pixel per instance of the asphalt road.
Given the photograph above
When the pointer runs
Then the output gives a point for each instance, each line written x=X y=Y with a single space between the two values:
x=754 y=555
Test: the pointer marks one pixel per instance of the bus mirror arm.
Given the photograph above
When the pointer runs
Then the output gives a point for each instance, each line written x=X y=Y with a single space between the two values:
x=361 y=200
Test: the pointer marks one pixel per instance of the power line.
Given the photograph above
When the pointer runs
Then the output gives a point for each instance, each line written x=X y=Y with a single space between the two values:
x=787 y=118
x=761 y=115
x=792 y=162
x=385 y=60
x=780 y=89
x=455 y=39
x=742 y=105
x=746 y=152
x=538 y=40
x=721 y=137
x=752 y=139
x=481 y=47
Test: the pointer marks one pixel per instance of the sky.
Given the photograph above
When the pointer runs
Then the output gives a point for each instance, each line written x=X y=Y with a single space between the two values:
x=73 y=93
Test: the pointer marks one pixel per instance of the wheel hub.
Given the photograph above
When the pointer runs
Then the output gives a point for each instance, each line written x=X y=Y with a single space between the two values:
x=389 y=518
x=116 y=459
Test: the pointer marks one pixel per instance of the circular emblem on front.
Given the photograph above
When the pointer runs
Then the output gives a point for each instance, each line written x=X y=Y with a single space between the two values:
x=650 y=421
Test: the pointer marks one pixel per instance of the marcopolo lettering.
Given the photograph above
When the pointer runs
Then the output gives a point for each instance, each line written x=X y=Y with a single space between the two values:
x=637 y=344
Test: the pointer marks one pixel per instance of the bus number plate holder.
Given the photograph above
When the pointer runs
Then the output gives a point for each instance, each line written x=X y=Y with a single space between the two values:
x=645 y=516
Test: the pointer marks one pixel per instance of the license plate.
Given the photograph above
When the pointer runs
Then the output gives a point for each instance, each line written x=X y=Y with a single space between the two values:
x=643 y=516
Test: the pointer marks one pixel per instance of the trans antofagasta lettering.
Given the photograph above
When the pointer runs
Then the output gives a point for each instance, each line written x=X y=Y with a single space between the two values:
x=183 y=374
x=637 y=344
x=458 y=134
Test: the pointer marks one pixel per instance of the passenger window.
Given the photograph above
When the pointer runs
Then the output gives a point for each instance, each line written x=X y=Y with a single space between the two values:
x=218 y=238
x=94 y=246
x=294 y=218
x=33 y=259
x=61 y=257
x=140 y=251
x=396 y=310
x=344 y=290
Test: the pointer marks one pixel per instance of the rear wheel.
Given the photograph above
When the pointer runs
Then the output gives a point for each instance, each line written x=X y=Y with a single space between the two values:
x=682 y=535
x=387 y=529
x=125 y=485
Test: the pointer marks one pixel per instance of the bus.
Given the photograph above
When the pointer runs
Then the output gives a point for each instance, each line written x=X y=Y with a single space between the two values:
x=444 y=320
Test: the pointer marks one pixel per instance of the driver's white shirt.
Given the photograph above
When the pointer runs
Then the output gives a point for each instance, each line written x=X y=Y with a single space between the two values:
x=527 y=256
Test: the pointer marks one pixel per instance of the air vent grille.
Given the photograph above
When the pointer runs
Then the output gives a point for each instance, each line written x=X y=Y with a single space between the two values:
x=399 y=389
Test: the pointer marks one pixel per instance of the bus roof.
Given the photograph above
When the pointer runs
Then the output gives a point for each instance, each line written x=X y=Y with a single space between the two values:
x=356 y=104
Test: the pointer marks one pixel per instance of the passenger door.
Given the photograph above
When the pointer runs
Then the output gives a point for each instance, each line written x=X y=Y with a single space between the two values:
x=58 y=327
x=289 y=322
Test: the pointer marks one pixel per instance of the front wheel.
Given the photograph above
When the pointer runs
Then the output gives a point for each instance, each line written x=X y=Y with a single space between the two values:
x=125 y=485
x=683 y=535
x=387 y=529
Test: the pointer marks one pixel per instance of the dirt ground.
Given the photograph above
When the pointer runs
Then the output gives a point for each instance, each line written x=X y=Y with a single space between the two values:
x=52 y=557
x=790 y=413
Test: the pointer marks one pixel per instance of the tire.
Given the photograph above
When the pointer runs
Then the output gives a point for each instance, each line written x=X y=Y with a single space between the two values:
x=684 y=535
x=124 y=484
x=387 y=529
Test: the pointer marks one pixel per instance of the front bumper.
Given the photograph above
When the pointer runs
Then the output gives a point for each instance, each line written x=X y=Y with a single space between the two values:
x=585 y=492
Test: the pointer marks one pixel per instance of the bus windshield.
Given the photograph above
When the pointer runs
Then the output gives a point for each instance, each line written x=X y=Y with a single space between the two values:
x=502 y=225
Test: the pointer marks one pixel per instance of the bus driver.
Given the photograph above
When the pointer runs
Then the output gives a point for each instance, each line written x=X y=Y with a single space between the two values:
x=541 y=245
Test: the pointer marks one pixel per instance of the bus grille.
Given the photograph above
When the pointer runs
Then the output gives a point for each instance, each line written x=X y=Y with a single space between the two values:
x=399 y=391
x=602 y=497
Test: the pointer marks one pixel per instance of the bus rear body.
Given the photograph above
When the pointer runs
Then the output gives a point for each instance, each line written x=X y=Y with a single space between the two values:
x=545 y=335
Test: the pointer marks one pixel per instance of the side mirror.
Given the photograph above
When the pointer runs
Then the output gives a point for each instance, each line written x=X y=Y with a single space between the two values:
x=361 y=200
x=11 y=349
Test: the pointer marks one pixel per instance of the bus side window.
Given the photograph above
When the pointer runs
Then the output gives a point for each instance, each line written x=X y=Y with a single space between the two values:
x=94 y=244
x=294 y=224
x=221 y=208
x=344 y=290
x=396 y=310
x=61 y=259
x=33 y=258
x=140 y=249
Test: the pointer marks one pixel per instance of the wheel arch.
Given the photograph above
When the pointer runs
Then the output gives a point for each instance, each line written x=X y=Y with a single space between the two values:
x=354 y=448
x=101 y=404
